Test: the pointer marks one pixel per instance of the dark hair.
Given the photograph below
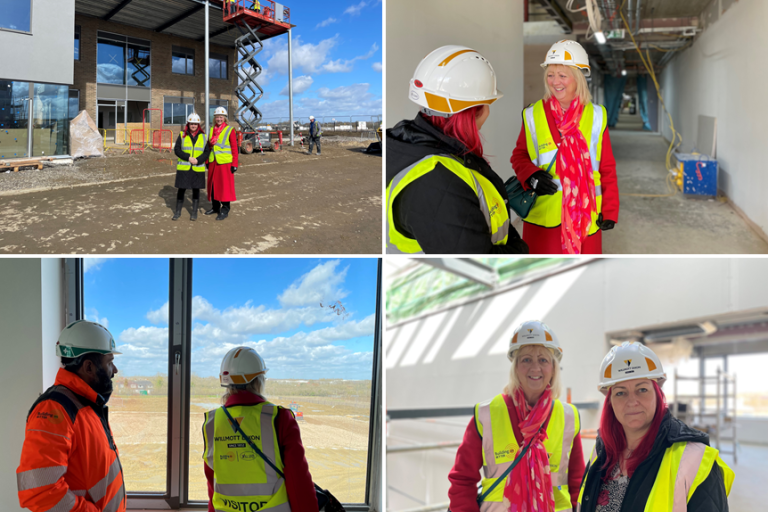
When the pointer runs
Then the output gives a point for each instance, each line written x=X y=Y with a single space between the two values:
x=73 y=364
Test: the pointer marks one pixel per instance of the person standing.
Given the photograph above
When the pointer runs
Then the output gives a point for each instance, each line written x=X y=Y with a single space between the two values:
x=222 y=165
x=69 y=460
x=192 y=152
x=314 y=134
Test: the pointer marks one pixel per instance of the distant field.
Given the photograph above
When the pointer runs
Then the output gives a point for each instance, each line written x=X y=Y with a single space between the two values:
x=334 y=433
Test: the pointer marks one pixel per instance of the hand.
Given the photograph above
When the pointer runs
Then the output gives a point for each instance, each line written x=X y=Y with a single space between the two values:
x=542 y=183
x=606 y=224
x=234 y=170
x=193 y=160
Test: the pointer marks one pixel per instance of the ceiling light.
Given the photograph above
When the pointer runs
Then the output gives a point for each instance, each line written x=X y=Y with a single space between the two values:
x=600 y=37
x=623 y=72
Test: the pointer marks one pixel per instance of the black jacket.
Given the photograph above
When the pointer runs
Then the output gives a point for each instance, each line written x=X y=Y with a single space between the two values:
x=709 y=496
x=439 y=210
x=185 y=156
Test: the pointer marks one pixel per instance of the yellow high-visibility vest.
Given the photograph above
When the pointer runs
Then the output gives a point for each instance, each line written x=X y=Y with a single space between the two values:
x=222 y=151
x=500 y=449
x=683 y=468
x=194 y=151
x=491 y=202
x=243 y=481
x=547 y=210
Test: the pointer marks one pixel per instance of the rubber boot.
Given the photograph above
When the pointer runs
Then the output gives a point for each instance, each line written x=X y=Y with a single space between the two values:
x=177 y=213
x=195 y=206
x=223 y=214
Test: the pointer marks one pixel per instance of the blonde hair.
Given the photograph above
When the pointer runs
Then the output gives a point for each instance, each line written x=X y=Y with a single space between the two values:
x=514 y=382
x=256 y=386
x=582 y=88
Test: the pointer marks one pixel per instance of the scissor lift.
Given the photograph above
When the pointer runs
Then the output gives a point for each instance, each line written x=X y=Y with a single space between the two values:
x=269 y=20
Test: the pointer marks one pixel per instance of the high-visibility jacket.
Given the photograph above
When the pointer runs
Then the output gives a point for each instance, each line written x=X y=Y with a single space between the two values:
x=243 y=481
x=547 y=210
x=500 y=448
x=684 y=466
x=69 y=461
x=222 y=151
x=492 y=204
x=194 y=151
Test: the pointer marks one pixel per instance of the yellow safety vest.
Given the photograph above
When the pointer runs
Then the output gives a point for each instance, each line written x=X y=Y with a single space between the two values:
x=683 y=468
x=193 y=151
x=491 y=202
x=222 y=151
x=547 y=210
x=242 y=481
x=500 y=449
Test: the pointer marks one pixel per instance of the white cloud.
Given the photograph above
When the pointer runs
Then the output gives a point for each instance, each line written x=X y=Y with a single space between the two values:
x=306 y=57
x=345 y=65
x=145 y=337
x=325 y=23
x=377 y=67
x=93 y=264
x=321 y=284
x=159 y=316
x=300 y=84
x=93 y=315
x=354 y=10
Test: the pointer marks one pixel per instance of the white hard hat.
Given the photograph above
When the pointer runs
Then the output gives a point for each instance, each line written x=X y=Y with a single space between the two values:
x=193 y=118
x=240 y=366
x=220 y=111
x=628 y=361
x=452 y=79
x=311 y=118
x=82 y=336
x=534 y=332
x=568 y=53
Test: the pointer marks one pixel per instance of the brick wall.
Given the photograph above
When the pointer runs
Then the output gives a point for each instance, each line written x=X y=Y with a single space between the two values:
x=163 y=81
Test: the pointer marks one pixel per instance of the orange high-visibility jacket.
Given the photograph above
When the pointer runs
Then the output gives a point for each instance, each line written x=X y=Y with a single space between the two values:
x=69 y=461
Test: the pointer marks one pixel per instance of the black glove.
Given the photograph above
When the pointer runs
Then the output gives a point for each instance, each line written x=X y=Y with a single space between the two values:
x=541 y=182
x=234 y=170
x=605 y=225
x=517 y=243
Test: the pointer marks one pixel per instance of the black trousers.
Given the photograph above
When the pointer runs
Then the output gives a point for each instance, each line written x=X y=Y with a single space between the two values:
x=217 y=204
x=195 y=193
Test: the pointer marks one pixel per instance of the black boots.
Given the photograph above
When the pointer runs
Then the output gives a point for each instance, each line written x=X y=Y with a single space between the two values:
x=177 y=213
x=215 y=208
x=195 y=206
x=224 y=213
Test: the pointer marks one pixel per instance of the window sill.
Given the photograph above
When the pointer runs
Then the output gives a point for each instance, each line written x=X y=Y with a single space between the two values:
x=23 y=32
x=182 y=74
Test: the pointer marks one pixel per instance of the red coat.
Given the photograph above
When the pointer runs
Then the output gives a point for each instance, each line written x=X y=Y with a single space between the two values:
x=220 y=177
x=298 y=480
x=542 y=240
x=465 y=474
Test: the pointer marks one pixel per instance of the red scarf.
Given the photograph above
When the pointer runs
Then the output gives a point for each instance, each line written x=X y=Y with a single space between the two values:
x=217 y=131
x=575 y=170
x=529 y=486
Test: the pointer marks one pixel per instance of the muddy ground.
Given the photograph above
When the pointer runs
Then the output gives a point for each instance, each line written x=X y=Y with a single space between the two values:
x=288 y=203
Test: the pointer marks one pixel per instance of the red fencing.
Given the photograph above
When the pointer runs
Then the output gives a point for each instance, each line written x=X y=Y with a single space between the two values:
x=137 y=141
x=162 y=140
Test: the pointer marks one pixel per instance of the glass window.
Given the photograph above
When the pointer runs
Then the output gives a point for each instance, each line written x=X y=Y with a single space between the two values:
x=77 y=42
x=138 y=407
x=182 y=60
x=50 y=117
x=176 y=110
x=110 y=62
x=138 y=65
x=218 y=66
x=16 y=15
x=13 y=118
x=74 y=103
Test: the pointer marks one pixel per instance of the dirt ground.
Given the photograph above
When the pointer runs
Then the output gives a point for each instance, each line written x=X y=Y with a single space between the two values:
x=334 y=434
x=288 y=203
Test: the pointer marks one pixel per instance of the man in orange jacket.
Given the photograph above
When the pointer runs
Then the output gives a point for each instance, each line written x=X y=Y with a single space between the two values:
x=69 y=461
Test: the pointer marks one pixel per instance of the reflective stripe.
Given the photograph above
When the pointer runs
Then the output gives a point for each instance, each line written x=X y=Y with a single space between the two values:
x=686 y=473
x=116 y=501
x=39 y=477
x=597 y=125
x=98 y=491
x=65 y=504
x=490 y=468
x=560 y=478
x=545 y=158
x=268 y=446
x=392 y=248
x=51 y=433
x=532 y=128
x=209 y=429
x=244 y=489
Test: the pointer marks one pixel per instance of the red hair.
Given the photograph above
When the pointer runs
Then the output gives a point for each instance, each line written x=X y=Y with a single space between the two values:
x=462 y=127
x=612 y=434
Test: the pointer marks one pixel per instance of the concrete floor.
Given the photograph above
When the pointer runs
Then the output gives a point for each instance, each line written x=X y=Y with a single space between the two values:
x=288 y=203
x=667 y=225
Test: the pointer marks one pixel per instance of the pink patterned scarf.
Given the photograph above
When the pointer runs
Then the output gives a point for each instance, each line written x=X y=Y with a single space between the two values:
x=575 y=171
x=529 y=486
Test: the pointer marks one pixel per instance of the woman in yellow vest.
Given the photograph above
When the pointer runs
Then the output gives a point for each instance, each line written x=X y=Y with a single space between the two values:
x=644 y=459
x=577 y=197
x=525 y=440
x=239 y=478
x=442 y=196
x=192 y=152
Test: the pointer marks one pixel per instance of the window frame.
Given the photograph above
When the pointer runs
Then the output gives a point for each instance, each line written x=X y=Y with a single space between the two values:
x=184 y=100
x=79 y=41
x=186 y=52
x=223 y=60
x=16 y=31
x=180 y=296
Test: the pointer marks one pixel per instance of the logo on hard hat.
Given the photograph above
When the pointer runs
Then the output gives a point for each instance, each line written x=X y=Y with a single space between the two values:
x=530 y=331
x=67 y=351
x=628 y=361
x=418 y=83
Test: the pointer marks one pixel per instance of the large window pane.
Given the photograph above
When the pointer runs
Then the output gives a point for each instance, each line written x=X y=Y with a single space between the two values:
x=313 y=322
x=138 y=65
x=110 y=62
x=16 y=14
x=50 y=117
x=13 y=118
x=74 y=103
x=179 y=113
x=77 y=42
x=127 y=296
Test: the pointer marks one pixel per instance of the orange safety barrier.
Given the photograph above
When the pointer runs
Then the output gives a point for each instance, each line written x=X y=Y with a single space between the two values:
x=162 y=140
x=137 y=141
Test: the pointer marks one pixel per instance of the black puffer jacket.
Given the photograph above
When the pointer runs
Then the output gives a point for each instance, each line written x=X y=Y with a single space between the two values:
x=439 y=210
x=709 y=496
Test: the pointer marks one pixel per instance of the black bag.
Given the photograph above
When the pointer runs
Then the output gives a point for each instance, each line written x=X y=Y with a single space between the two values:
x=326 y=502
x=520 y=200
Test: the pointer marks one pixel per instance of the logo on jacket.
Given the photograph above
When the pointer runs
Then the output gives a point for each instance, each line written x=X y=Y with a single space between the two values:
x=243 y=506
x=229 y=456
x=248 y=456
x=238 y=420
x=55 y=416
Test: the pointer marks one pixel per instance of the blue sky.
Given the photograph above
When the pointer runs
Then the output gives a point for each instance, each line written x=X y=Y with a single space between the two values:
x=336 y=61
x=272 y=305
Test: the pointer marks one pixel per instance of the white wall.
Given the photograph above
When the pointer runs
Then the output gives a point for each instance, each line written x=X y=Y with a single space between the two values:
x=492 y=27
x=31 y=288
x=720 y=76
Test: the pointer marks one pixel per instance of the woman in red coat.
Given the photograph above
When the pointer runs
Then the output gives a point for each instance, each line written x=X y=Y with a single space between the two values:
x=222 y=165
x=577 y=195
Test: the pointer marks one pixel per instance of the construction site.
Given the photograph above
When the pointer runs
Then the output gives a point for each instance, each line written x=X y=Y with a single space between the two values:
x=450 y=322
x=683 y=131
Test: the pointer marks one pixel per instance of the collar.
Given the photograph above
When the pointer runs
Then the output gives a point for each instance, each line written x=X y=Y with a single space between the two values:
x=74 y=383
x=244 y=398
